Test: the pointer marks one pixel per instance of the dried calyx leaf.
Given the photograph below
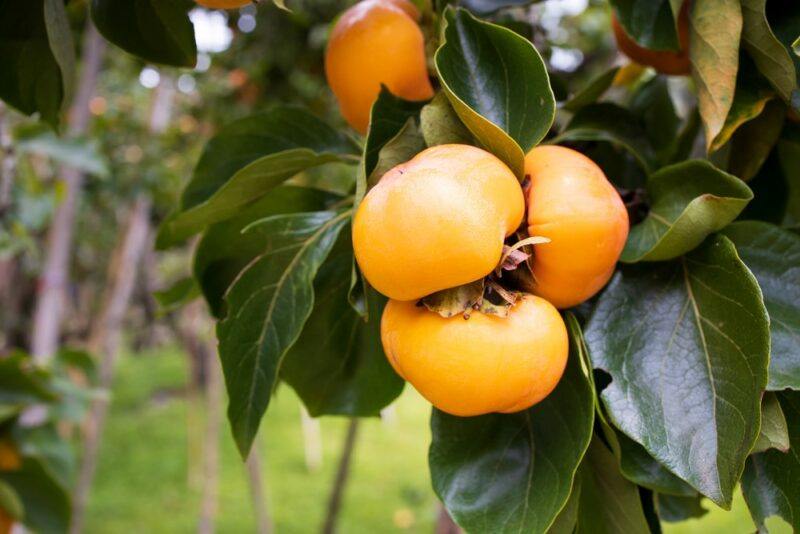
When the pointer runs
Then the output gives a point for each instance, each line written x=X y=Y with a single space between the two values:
x=515 y=255
x=459 y=300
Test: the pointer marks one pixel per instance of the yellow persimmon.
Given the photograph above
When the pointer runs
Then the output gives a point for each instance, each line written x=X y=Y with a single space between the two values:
x=436 y=221
x=572 y=203
x=480 y=365
x=376 y=42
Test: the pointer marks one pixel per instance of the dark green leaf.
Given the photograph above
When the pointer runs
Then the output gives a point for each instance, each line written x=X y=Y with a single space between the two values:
x=675 y=508
x=770 y=55
x=268 y=304
x=789 y=160
x=715 y=29
x=21 y=382
x=686 y=344
x=774 y=432
x=513 y=472
x=649 y=22
x=773 y=255
x=249 y=158
x=485 y=7
x=567 y=519
x=9 y=501
x=181 y=292
x=784 y=19
x=54 y=452
x=689 y=202
x=497 y=83
x=45 y=501
x=610 y=123
x=753 y=142
x=608 y=503
x=653 y=104
x=402 y=147
x=155 y=30
x=770 y=479
x=337 y=366
x=639 y=467
x=224 y=251
x=32 y=78
x=440 y=124
x=592 y=91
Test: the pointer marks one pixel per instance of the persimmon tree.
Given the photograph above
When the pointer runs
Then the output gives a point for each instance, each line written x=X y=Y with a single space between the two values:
x=682 y=372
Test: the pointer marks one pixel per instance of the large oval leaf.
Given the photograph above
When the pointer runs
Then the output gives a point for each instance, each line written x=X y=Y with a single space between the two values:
x=45 y=500
x=773 y=255
x=514 y=472
x=224 y=250
x=771 y=57
x=267 y=307
x=246 y=160
x=687 y=346
x=770 y=481
x=337 y=366
x=715 y=29
x=689 y=201
x=155 y=30
x=649 y=22
x=498 y=85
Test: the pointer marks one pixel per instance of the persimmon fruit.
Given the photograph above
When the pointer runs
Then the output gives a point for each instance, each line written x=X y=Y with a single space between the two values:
x=481 y=365
x=436 y=221
x=223 y=4
x=664 y=61
x=10 y=459
x=376 y=42
x=572 y=203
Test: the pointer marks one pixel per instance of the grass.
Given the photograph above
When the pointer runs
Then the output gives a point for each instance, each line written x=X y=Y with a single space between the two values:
x=148 y=472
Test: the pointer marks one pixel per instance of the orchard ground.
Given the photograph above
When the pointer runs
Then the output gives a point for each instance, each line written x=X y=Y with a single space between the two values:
x=143 y=482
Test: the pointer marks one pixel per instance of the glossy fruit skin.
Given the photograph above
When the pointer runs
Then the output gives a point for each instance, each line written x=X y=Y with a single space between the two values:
x=480 y=365
x=572 y=203
x=223 y=4
x=376 y=42
x=664 y=61
x=436 y=221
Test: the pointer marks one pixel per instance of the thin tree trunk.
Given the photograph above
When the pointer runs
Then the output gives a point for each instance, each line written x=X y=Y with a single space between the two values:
x=7 y=161
x=257 y=493
x=445 y=524
x=104 y=341
x=312 y=440
x=209 y=501
x=189 y=326
x=53 y=280
x=340 y=483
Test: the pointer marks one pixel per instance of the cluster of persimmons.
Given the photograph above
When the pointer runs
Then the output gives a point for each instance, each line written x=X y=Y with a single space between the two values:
x=450 y=215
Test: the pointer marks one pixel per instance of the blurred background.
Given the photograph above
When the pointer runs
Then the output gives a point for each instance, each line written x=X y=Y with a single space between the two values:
x=165 y=460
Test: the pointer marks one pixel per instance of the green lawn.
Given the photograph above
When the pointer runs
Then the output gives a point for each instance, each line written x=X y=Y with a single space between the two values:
x=143 y=480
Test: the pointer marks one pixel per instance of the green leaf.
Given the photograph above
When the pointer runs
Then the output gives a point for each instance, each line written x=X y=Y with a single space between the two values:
x=22 y=383
x=789 y=157
x=687 y=346
x=80 y=154
x=45 y=501
x=676 y=508
x=592 y=91
x=249 y=158
x=337 y=366
x=774 y=433
x=770 y=479
x=638 y=466
x=486 y=7
x=773 y=256
x=513 y=472
x=613 y=124
x=154 y=30
x=715 y=28
x=770 y=55
x=402 y=147
x=497 y=84
x=753 y=142
x=268 y=305
x=567 y=519
x=179 y=293
x=689 y=202
x=9 y=501
x=224 y=250
x=608 y=502
x=653 y=104
x=649 y=22
x=36 y=57
x=440 y=124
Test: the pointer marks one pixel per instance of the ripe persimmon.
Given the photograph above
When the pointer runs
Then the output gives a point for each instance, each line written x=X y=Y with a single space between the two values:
x=481 y=365
x=664 y=61
x=223 y=4
x=436 y=221
x=376 y=42
x=572 y=203
x=10 y=459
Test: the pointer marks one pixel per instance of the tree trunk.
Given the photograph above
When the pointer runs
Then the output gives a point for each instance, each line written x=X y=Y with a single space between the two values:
x=53 y=280
x=257 y=493
x=445 y=524
x=208 y=501
x=7 y=161
x=340 y=483
x=312 y=440
x=104 y=341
